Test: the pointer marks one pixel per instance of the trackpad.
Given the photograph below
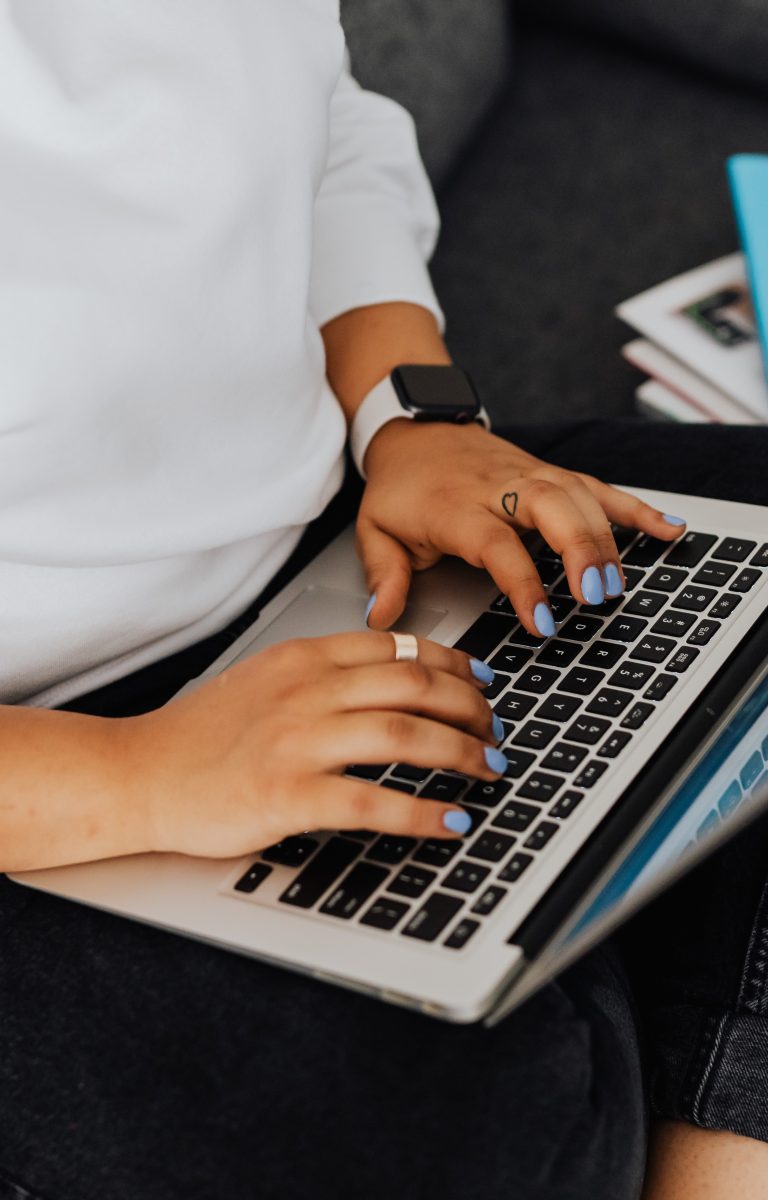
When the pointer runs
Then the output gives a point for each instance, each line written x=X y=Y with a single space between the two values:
x=318 y=611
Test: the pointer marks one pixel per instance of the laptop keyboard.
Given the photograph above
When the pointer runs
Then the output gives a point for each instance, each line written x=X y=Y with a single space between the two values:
x=570 y=706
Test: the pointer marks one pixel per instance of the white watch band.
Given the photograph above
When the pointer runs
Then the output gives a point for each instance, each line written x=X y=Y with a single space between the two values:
x=381 y=405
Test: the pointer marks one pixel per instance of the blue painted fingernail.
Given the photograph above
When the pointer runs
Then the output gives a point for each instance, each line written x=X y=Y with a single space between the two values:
x=543 y=619
x=592 y=586
x=498 y=728
x=673 y=520
x=496 y=760
x=457 y=822
x=613 y=584
x=481 y=671
x=369 y=606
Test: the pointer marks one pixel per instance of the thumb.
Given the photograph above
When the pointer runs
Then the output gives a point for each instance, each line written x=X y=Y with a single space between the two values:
x=387 y=569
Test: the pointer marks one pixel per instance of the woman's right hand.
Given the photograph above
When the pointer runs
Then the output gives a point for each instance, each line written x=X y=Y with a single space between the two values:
x=258 y=752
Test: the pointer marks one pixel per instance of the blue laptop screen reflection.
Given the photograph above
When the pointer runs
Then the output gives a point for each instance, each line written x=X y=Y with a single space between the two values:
x=733 y=771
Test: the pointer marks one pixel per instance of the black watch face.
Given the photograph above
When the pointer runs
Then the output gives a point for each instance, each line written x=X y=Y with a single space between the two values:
x=436 y=393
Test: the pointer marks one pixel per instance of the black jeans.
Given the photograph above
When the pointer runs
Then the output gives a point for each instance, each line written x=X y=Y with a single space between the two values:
x=137 y=1065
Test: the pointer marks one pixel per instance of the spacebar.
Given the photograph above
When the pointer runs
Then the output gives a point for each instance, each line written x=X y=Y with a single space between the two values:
x=321 y=872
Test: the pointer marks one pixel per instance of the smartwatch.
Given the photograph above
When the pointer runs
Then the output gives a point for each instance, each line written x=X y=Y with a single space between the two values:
x=419 y=393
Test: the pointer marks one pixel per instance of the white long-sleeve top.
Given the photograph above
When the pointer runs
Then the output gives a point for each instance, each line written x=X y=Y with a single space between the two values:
x=189 y=190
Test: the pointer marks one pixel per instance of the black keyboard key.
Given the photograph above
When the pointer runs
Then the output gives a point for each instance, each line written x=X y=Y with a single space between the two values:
x=564 y=757
x=366 y=770
x=391 y=848
x=625 y=629
x=581 y=680
x=587 y=730
x=557 y=653
x=623 y=536
x=513 y=706
x=510 y=659
x=399 y=785
x=614 y=744
x=518 y=863
x=540 y=786
x=494 y=689
x=521 y=637
x=716 y=574
x=631 y=675
x=491 y=846
x=660 y=687
x=590 y=774
x=666 y=579
x=653 y=648
x=362 y=835
x=518 y=762
x=602 y=654
x=725 y=605
x=673 y=623
x=478 y=815
x=413 y=774
x=682 y=660
x=503 y=604
x=566 y=804
x=561 y=606
x=443 y=787
x=543 y=833
x=412 y=881
x=609 y=702
x=255 y=875
x=645 y=604
x=761 y=558
x=515 y=816
x=485 y=635
x=645 y=551
x=436 y=852
x=461 y=934
x=488 y=900
x=549 y=571
x=433 y=916
x=703 y=633
x=354 y=890
x=466 y=877
x=546 y=552
x=537 y=680
x=637 y=715
x=734 y=550
x=690 y=549
x=695 y=599
x=580 y=628
x=320 y=872
x=558 y=707
x=291 y=852
x=632 y=577
x=384 y=914
x=535 y=735
x=488 y=794
x=746 y=579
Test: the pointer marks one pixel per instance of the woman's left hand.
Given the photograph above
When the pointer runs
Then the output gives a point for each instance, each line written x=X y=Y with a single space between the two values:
x=445 y=489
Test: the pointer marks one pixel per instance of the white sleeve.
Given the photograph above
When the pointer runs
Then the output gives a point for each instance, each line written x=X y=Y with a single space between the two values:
x=376 y=221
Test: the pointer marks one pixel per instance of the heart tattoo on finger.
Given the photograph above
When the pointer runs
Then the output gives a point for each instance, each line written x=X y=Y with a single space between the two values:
x=509 y=503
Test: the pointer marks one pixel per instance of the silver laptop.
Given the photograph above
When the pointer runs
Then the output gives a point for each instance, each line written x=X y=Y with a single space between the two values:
x=637 y=739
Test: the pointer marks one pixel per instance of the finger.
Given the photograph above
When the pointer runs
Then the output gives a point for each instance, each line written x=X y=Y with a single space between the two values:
x=624 y=509
x=387 y=572
x=335 y=803
x=378 y=736
x=610 y=559
x=355 y=649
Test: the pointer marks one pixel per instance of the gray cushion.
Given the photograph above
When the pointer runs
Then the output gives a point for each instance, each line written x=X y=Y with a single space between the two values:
x=444 y=60
x=729 y=36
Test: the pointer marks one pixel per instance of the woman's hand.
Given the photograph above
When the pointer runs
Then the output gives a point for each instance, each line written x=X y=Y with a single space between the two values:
x=446 y=489
x=258 y=752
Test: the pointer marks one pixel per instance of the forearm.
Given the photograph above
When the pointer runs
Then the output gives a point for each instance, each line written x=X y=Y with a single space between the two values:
x=63 y=797
x=362 y=347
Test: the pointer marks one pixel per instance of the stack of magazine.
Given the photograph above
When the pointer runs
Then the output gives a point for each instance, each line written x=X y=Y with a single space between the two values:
x=700 y=346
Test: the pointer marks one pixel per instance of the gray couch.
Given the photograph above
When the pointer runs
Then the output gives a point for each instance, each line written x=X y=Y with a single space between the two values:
x=584 y=169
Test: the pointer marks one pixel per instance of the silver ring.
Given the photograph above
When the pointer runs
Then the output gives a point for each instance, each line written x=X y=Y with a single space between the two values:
x=406 y=647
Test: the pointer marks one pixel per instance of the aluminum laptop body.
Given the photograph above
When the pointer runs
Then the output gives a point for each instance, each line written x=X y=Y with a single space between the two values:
x=691 y=769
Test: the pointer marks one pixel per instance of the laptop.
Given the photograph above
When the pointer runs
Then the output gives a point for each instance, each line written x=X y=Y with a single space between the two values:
x=637 y=740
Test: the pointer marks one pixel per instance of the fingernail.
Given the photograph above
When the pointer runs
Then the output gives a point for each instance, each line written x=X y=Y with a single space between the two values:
x=613 y=584
x=369 y=606
x=592 y=586
x=495 y=759
x=498 y=728
x=673 y=520
x=481 y=671
x=543 y=619
x=457 y=821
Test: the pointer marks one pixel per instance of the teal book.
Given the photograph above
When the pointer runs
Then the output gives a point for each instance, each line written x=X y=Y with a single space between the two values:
x=748 y=175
